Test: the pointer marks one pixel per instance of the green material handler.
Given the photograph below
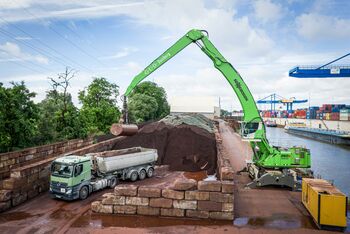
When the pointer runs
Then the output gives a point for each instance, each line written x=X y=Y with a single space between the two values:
x=270 y=165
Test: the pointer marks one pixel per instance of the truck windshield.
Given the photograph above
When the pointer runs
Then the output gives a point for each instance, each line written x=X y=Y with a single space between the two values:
x=63 y=170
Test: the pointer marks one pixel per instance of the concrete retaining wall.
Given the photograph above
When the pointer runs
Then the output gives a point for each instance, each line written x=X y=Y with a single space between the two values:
x=31 y=178
x=20 y=158
x=187 y=198
x=224 y=169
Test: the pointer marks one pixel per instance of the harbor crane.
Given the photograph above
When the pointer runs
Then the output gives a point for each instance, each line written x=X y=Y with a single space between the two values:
x=328 y=70
x=274 y=99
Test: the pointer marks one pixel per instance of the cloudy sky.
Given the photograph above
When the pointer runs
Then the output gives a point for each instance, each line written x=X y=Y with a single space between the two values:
x=262 y=39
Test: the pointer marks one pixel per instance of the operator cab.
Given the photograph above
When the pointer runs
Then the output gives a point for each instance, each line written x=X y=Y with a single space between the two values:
x=248 y=130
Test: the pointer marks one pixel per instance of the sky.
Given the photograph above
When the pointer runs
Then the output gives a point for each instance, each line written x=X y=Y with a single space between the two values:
x=262 y=39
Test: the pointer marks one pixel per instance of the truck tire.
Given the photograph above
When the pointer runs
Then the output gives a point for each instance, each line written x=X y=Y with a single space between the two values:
x=113 y=182
x=133 y=176
x=142 y=174
x=83 y=193
x=150 y=172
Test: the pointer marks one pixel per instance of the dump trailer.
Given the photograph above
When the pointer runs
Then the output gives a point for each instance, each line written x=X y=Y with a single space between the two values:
x=74 y=177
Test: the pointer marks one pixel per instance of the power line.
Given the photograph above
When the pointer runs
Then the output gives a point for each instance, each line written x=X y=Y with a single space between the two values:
x=40 y=51
x=21 y=59
x=46 y=45
x=23 y=65
x=69 y=41
x=37 y=49
x=69 y=29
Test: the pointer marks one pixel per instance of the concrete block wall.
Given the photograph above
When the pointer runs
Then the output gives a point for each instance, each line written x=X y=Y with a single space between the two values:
x=32 y=178
x=25 y=183
x=26 y=156
x=187 y=198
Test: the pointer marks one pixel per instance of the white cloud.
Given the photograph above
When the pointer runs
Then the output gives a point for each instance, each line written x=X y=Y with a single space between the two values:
x=317 y=27
x=267 y=11
x=12 y=52
x=10 y=4
x=24 y=38
x=120 y=54
x=231 y=32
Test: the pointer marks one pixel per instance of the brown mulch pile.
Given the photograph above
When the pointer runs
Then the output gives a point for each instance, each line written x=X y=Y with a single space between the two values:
x=182 y=147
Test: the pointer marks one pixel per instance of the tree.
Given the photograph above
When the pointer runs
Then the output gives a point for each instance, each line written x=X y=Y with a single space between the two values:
x=142 y=108
x=60 y=91
x=99 y=110
x=52 y=125
x=18 y=117
x=59 y=118
x=150 y=92
x=225 y=113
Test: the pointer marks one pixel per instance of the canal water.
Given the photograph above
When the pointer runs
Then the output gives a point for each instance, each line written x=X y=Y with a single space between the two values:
x=331 y=162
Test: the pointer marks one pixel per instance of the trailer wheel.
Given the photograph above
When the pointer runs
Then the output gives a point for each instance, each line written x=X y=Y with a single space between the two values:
x=83 y=193
x=142 y=174
x=133 y=176
x=150 y=172
x=113 y=182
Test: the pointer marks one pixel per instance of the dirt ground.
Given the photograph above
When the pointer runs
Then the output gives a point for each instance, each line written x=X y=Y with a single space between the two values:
x=257 y=211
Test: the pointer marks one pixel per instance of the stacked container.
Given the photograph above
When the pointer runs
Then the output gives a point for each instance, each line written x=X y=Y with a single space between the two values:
x=344 y=115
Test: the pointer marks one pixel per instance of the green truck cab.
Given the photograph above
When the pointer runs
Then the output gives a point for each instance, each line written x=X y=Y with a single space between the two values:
x=70 y=177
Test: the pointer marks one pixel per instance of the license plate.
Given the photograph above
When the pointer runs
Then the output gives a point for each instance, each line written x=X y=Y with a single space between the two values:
x=63 y=190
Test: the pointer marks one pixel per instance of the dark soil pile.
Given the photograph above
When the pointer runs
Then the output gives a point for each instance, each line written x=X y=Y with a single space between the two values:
x=182 y=147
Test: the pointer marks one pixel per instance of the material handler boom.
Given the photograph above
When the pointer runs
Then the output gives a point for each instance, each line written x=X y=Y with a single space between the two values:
x=270 y=165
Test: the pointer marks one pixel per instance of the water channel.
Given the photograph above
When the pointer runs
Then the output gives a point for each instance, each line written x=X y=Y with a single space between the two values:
x=331 y=162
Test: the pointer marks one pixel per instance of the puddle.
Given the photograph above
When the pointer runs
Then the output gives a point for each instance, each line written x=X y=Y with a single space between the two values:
x=14 y=216
x=133 y=221
x=198 y=175
x=277 y=221
x=62 y=214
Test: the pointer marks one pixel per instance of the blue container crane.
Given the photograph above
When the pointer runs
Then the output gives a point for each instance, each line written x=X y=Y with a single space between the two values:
x=274 y=99
x=325 y=71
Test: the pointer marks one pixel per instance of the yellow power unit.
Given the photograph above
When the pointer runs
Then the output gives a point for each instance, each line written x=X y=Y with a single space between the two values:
x=326 y=204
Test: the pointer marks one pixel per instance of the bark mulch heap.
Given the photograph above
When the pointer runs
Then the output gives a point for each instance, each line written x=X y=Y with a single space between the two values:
x=185 y=142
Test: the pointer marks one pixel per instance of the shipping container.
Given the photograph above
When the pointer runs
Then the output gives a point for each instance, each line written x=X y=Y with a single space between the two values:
x=344 y=111
x=335 y=116
x=344 y=116
x=335 y=110
x=327 y=108
x=327 y=116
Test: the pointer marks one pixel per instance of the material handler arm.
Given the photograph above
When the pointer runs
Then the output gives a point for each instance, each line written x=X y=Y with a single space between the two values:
x=252 y=127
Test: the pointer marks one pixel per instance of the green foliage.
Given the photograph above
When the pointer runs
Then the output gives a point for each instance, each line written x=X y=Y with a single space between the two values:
x=148 y=101
x=24 y=123
x=18 y=117
x=225 y=113
x=142 y=108
x=99 y=110
x=59 y=119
